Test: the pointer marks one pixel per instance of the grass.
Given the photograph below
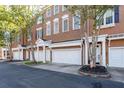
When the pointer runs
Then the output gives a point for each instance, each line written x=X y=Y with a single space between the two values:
x=28 y=62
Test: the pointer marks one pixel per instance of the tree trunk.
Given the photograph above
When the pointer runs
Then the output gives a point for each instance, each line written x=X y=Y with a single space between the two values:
x=32 y=48
x=10 y=51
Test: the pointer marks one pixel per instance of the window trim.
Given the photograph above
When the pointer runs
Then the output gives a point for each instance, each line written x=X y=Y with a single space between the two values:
x=55 y=11
x=55 y=20
x=104 y=21
x=39 y=22
x=73 y=27
x=48 y=23
x=38 y=29
x=65 y=17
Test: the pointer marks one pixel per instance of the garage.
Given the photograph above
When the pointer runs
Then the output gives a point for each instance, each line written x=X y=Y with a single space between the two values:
x=116 y=56
x=69 y=56
x=38 y=55
x=17 y=55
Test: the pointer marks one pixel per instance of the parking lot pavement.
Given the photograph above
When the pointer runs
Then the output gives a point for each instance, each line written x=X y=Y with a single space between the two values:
x=13 y=76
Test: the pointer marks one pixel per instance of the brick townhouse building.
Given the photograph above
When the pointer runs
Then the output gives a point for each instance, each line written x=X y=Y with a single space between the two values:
x=58 y=39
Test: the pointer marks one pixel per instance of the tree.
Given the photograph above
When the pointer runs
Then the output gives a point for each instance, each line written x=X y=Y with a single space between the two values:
x=95 y=14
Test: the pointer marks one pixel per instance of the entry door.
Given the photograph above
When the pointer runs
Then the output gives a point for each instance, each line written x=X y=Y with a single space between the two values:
x=98 y=53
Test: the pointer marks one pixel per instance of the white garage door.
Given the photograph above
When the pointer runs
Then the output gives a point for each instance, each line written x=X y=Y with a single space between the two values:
x=17 y=55
x=38 y=55
x=69 y=56
x=116 y=57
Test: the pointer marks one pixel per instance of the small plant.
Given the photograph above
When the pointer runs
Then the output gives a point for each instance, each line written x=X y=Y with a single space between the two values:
x=28 y=62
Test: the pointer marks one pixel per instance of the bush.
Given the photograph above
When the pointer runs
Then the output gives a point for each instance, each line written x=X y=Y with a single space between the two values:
x=28 y=62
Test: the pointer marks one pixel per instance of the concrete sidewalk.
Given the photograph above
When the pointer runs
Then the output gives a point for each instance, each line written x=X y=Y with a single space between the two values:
x=117 y=74
x=66 y=68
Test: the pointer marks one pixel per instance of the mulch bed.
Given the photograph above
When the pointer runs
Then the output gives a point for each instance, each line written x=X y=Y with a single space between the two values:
x=98 y=71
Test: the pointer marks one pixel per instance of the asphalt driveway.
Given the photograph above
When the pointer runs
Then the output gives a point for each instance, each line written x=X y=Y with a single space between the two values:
x=20 y=76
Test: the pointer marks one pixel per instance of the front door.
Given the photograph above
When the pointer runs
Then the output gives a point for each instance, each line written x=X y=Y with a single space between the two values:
x=98 y=54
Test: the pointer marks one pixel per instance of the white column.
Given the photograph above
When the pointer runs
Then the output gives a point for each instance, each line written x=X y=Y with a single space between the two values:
x=44 y=54
x=104 y=53
x=86 y=53
x=6 y=53
x=2 y=53
x=19 y=53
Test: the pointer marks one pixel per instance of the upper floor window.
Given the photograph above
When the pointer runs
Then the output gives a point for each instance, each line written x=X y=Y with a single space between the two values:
x=56 y=9
x=39 y=20
x=76 y=22
x=39 y=33
x=56 y=25
x=48 y=28
x=65 y=23
x=64 y=8
x=48 y=13
x=108 y=19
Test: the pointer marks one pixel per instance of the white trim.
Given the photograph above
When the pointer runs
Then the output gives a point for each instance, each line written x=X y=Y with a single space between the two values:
x=65 y=16
x=76 y=42
x=54 y=9
x=116 y=36
x=48 y=23
x=104 y=19
x=107 y=26
x=73 y=28
x=116 y=47
x=104 y=53
x=18 y=48
x=56 y=19
x=39 y=28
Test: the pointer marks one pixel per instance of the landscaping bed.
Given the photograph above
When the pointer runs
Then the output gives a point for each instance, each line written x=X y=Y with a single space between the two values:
x=98 y=71
x=32 y=63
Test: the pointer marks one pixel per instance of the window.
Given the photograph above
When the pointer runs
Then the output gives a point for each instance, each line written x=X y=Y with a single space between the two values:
x=56 y=9
x=48 y=28
x=64 y=8
x=108 y=19
x=56 y=25
x=48 y=13
x=39 y=20
x=39 y=33
x=29 y=35
x=17 y=39
x=65 y=23
x=76 y=22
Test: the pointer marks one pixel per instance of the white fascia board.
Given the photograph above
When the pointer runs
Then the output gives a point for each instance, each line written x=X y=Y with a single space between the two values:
x=56 y=19
x=39 y=28
x=65 y=16
x=48 y=22
x=116 y=38
x=18 y=48
x=76 y=42
x=69 y=43
x=4 y=49
x=100 y=38
x=116 y=47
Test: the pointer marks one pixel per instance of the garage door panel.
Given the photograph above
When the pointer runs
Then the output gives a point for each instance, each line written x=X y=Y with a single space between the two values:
x=116 y=57
x=18 y=55
x=69 y=56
